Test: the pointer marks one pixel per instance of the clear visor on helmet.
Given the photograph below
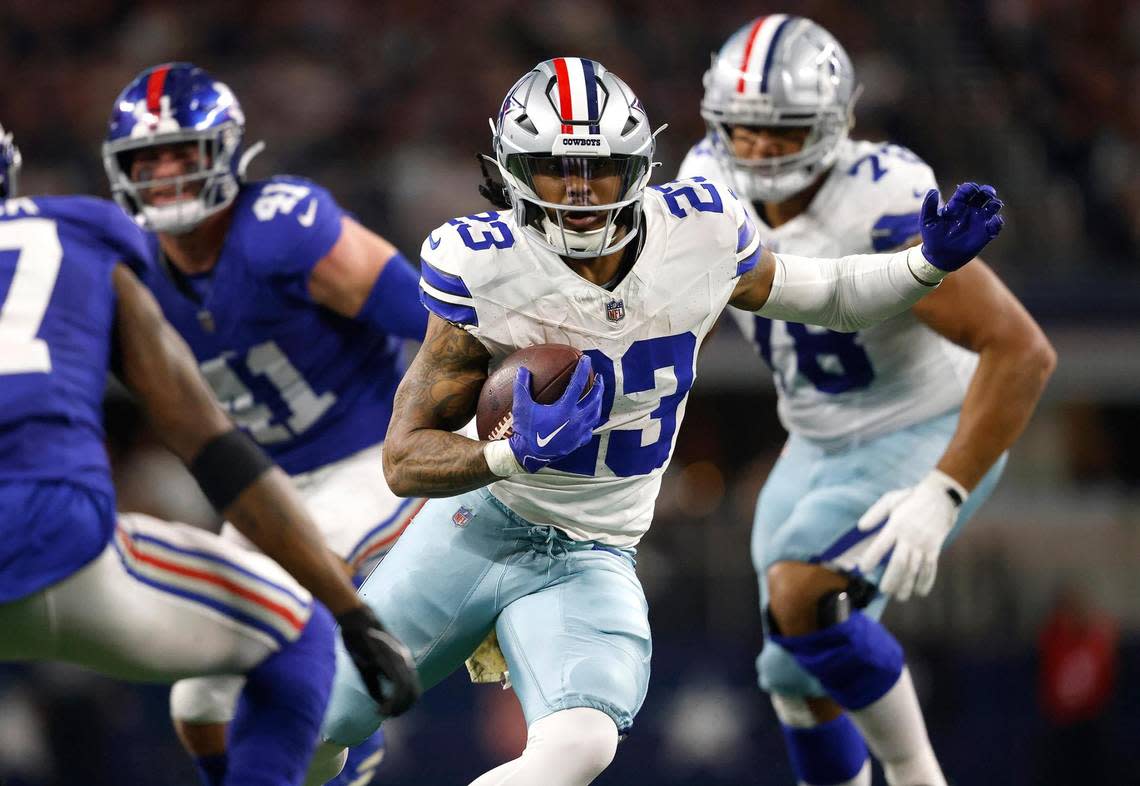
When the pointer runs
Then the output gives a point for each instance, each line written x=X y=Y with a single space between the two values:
x=579 y=199
x=780 y=145
x=774 y=156
x=579 y=183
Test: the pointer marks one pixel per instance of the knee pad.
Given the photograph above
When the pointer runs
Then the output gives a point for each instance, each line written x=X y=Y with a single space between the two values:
x=856 y=661
x=205 y=699
x=779 y=673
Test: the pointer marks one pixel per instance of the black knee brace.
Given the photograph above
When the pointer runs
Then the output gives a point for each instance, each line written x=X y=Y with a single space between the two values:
x=836 y=606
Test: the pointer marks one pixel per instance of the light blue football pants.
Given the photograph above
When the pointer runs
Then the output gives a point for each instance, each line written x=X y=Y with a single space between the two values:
x=571 y=616
x=812 y=501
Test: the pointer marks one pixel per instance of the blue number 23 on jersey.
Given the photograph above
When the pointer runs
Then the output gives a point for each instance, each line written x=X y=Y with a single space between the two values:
x=626 y=451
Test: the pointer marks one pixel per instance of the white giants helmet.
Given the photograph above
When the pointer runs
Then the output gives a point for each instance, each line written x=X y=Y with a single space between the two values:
x=570 y=118
x=780 y=70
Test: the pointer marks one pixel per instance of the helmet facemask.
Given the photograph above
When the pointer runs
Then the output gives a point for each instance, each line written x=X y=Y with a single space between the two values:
x=198 y=194
x=591 y=204
x=776 y=178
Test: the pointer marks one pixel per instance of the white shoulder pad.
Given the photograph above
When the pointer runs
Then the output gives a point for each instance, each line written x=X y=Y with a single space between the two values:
x=456 y=258
x=710 y=223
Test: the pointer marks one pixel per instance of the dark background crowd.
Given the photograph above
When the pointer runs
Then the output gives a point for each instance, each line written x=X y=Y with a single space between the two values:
x=1027 y=654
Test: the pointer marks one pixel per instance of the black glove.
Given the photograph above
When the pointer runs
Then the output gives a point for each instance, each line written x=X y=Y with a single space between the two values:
x=384 y=663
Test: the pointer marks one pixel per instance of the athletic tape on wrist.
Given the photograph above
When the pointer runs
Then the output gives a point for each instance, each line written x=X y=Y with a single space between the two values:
x=924 y=273
x=501 y=459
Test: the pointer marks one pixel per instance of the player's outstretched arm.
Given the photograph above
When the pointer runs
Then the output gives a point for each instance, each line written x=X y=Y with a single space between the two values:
x=242 y=482
x=854 y=292
x=1015 y=359
x=438 y=394
x=364 y=277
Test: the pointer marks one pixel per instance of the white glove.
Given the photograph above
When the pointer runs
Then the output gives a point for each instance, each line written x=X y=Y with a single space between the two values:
x=918 y=520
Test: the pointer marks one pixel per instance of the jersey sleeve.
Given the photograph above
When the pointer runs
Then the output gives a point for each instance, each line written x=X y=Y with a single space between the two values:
x=748 y=245
x=290 y=224
x=901 y=189
x=442 y=288
x=127 y=241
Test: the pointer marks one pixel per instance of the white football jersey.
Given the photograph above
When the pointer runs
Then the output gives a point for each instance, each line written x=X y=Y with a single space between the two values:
x=842 y=388
x=484 y=273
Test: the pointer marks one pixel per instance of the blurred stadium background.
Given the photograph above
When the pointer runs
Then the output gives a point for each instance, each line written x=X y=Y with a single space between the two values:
x=1028 y=652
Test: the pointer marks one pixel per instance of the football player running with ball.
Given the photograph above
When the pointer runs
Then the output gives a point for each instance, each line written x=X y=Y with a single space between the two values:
x=929 y=400
x=128 y=595
x=296 y=314
x=534 y=535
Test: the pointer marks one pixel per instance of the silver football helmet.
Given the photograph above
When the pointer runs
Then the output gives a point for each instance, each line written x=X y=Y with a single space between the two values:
x=780 y=71
x=570 y=125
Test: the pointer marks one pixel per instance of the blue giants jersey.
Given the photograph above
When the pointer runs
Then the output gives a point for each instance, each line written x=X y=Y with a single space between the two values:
x=56 y=257
x=309 y=385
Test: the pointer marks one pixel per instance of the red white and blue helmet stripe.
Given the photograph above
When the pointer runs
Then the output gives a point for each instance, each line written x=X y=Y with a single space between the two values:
x=759 y=48
x=577 y=95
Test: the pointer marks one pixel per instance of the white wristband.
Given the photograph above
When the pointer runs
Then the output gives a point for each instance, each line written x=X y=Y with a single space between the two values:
x=501 y=459
x=926 y=273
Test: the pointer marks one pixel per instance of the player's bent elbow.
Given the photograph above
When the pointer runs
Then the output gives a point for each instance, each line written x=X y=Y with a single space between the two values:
x=1037 y=358
x=1043 y=360
x=1046 y=356
x=391 y=464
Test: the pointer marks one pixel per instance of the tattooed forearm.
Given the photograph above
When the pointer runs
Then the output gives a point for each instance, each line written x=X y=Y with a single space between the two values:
x=437 y=464
x=438 y=395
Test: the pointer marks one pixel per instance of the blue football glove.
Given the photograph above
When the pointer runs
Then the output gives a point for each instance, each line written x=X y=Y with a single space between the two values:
x=953 y=234
x=546 y=432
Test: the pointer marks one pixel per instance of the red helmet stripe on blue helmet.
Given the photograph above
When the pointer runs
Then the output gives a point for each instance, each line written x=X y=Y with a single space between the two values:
x=154 y=85
x=748 y=50
x=565 y=103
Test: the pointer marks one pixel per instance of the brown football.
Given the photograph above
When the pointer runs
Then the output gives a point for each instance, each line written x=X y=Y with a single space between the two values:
x=550 y=365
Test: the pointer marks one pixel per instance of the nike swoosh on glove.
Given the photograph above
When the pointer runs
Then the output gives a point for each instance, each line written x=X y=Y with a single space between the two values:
x=543 y=433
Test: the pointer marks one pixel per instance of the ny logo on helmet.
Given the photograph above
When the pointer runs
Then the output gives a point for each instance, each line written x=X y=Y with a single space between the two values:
x=149 y=122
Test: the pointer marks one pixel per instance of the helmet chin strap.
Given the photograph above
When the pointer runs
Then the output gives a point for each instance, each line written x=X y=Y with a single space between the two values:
x=590 y=240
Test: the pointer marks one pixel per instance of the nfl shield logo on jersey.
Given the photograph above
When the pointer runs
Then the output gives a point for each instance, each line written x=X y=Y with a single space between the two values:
x=462 y=517
x=615 y=310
